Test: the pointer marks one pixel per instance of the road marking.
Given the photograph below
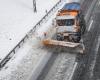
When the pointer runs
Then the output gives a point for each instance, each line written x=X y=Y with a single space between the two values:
x=90 y=25
x=71 y=76
x=95 y=57
x=99 y=2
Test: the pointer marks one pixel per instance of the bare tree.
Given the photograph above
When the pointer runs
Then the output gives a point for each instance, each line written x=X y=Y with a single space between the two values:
x=34 y=6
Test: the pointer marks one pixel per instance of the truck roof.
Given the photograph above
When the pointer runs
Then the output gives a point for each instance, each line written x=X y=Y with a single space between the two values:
x=72 y=6
x=70 y=9
x=67 y=13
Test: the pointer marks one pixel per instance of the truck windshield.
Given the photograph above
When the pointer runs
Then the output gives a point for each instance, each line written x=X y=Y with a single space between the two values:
x=65 y=22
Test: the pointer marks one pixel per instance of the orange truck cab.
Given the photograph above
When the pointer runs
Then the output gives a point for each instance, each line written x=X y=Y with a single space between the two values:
x=70 y=22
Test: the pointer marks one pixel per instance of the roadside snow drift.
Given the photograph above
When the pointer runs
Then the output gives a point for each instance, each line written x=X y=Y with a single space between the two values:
x=17 y=18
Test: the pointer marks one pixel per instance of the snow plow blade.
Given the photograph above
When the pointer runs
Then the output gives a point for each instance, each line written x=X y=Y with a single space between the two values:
x=78 y=47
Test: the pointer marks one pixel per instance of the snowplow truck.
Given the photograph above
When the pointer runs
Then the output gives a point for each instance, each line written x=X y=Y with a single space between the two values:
x=70 y=26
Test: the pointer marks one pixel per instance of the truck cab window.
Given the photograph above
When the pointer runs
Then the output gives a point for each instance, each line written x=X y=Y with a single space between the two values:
x=69 y=22
x=65 y=22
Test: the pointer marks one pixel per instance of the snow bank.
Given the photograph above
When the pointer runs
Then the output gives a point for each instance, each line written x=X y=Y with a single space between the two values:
x=17 y=18
x=31 y=58
x=27 y=59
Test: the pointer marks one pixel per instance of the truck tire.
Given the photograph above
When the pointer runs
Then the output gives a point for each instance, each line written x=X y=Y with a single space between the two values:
x=59 y=37
x=75 y=38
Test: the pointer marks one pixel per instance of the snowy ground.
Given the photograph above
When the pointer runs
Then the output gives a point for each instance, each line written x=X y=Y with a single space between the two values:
x=17 y=18
x=27 y=59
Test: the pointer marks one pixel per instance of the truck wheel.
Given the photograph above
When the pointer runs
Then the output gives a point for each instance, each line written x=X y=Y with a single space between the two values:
x=74 y=38
x=59 y=37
